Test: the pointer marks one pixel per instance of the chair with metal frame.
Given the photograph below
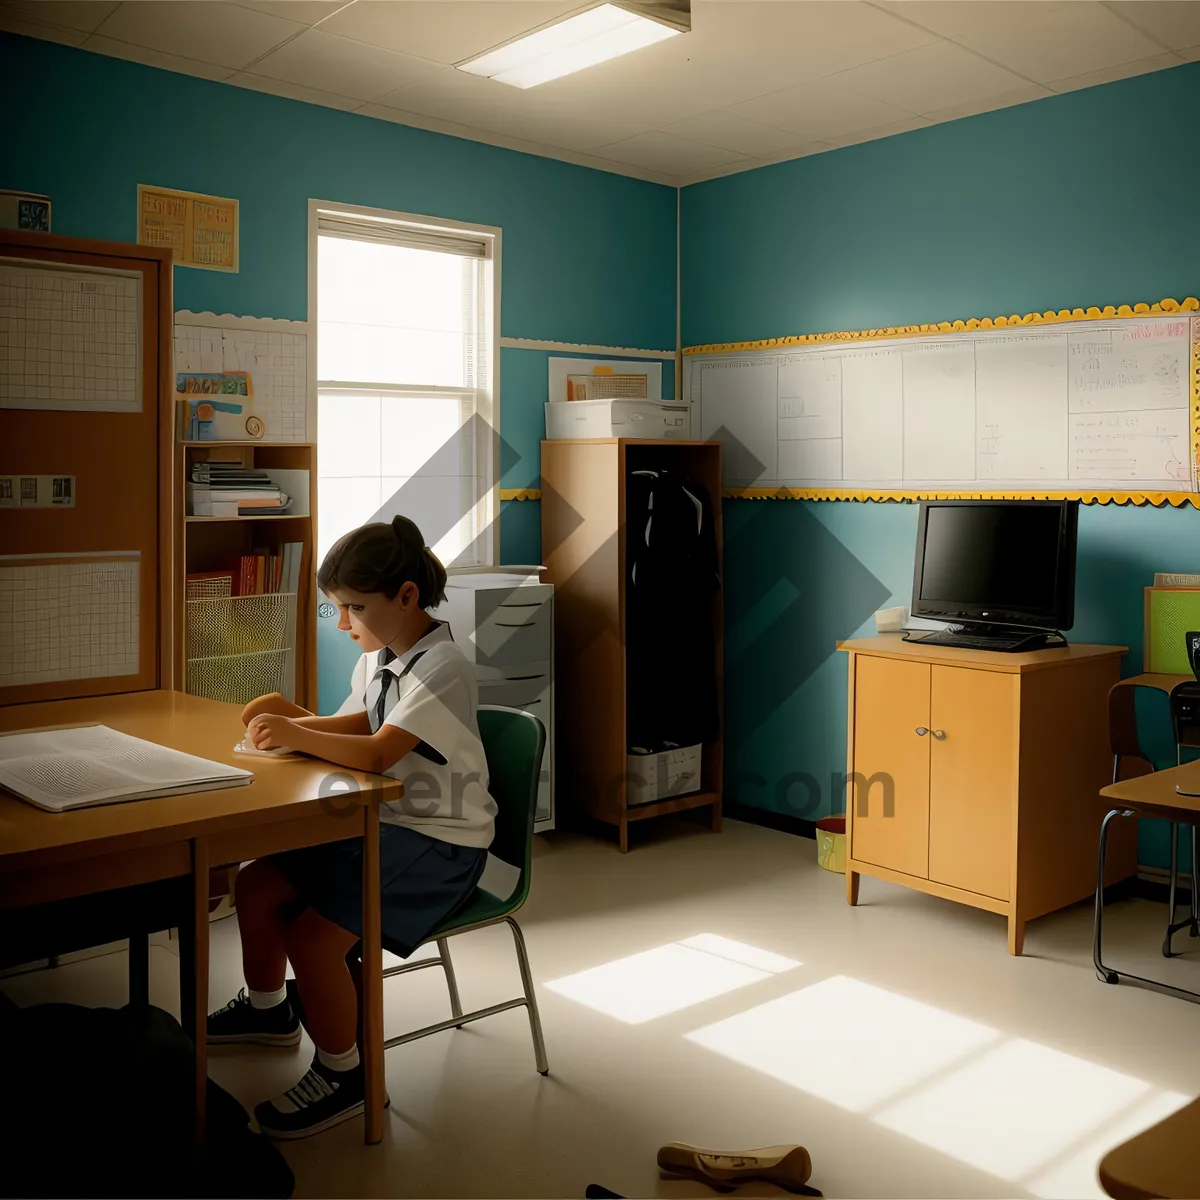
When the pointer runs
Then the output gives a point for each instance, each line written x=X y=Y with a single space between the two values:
x=514 y=743
x=1126 y=746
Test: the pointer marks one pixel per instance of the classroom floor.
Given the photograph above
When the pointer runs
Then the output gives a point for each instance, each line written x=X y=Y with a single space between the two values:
x=898 y=1041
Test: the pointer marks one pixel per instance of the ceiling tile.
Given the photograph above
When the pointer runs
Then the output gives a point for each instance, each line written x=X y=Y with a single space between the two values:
x=292 y=91
x=215 y=33
x=872 y=135
x=1175 y=23
x=536 y=115
x=667 y=153
x=85 y=15
x=446 y=32
x=930 y=77
x=12 y=23
x=99 y=44
x=307 y=12
x=1111 y=74
x=1021 y=95
x=730 y=132
x=1041 y=40
x=342 y=66
x=820 y=110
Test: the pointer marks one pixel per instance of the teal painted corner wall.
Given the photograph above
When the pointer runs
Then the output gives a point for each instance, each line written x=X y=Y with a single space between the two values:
x=1079 y=199
x=588 y=256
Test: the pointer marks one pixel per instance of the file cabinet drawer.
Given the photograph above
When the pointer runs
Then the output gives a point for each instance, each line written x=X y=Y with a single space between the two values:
x=515 y=633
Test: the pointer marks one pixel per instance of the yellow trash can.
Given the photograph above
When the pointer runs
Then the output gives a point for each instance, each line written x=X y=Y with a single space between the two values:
x=831 y=844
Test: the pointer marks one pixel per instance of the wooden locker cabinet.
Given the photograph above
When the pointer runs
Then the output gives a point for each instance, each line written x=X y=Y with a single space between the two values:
x=974 y=775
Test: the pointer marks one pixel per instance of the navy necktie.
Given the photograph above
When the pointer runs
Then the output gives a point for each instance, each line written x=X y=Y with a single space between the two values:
x=385 y=680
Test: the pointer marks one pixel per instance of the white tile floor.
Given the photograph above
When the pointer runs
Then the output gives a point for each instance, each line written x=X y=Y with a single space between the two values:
x=717 y=989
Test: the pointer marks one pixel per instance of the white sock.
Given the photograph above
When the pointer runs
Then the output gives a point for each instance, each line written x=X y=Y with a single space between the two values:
x=339 y=1062
x=267 y=999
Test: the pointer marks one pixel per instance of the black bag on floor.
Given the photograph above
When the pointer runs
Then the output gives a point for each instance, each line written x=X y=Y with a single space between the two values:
x=98 y=1102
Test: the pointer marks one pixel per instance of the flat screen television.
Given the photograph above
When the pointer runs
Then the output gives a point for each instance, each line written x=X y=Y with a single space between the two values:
x=997 y=567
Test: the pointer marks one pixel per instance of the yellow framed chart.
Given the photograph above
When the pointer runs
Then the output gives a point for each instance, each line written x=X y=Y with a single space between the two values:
x=201 y=231
x=1099 y=404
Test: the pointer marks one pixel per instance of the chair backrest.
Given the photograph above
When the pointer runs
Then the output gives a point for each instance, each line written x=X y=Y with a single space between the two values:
x=514 y=743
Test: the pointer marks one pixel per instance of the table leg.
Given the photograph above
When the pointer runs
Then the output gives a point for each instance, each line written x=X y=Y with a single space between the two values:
x=372 y=977
x=197 y=999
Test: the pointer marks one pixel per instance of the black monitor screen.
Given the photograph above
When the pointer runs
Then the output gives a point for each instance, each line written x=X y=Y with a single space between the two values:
x=1006 y=557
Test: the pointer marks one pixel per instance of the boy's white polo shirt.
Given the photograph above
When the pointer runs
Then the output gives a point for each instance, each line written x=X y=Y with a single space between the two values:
x=446 y=778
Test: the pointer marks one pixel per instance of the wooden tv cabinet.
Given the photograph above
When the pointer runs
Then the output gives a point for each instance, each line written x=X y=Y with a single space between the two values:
x=994 y=763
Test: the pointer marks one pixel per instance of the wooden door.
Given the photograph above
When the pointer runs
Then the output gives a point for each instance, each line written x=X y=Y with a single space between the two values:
x=891 y=763
x=85 y=580
x=973 y=779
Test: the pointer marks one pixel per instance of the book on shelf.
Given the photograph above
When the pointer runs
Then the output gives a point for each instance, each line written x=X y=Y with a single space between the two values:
x=267 y=572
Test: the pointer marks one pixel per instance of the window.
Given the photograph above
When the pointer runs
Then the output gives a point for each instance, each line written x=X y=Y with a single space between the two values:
x=405 y=312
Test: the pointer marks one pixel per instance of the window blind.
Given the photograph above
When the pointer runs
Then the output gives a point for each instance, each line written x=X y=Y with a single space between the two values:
x=393 y=233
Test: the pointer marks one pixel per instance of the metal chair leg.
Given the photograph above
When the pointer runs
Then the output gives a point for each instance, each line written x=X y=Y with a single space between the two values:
x=1173 y=926
x=443 y=945
x=535 y=1020
x=1102 y=971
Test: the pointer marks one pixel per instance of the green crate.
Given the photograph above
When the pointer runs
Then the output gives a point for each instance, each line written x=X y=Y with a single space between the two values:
x=1170 y=613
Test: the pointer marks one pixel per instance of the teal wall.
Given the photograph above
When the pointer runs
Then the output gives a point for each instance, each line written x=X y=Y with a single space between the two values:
x=588 y=256
x=1075 y=200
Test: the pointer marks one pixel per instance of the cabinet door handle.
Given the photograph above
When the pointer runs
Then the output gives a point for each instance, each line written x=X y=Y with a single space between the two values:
x=940 y=734
x=921 y=731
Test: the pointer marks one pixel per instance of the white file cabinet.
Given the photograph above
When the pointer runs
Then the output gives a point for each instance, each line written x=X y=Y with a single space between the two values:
x=506 y=628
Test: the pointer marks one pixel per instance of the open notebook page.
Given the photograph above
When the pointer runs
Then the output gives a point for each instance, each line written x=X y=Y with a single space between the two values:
x=61 y=769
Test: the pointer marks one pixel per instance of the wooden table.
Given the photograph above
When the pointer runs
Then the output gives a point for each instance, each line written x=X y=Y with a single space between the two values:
x=299 y=802
x=1152 y=795
x=1161 y=1163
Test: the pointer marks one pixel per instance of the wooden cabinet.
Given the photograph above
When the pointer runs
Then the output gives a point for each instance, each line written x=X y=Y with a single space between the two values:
x=585 y=546
x=975 y=775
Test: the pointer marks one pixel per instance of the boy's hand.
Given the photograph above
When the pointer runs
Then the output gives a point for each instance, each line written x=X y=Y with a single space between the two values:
x=266 y=731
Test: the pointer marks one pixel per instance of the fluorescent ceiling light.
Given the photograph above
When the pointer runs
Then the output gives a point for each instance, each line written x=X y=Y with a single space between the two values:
x=580 y=41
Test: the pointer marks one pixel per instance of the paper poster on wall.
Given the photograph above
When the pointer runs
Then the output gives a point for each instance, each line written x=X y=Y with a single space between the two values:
x=201 y=231
x=604 y=379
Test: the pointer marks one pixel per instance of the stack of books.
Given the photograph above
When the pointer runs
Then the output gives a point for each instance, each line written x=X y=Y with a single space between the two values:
x=261 y=573
x=229 y=489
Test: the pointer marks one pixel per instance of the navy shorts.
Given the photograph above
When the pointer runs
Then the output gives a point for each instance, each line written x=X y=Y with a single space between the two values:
x=424 y=881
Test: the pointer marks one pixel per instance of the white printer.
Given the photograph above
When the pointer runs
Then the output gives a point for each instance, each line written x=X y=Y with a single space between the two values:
x=618 y=418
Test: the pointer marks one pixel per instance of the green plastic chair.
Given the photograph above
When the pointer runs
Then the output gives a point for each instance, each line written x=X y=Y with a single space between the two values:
x=514 y=743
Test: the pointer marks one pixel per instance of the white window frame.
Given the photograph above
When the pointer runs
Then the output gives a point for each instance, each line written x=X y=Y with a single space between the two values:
x=487 y=451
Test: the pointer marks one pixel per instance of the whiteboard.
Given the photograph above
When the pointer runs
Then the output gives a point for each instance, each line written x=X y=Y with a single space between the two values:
x=1090 y=404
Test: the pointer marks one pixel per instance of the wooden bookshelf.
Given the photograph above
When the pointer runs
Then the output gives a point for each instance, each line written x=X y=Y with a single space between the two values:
x=258 y=634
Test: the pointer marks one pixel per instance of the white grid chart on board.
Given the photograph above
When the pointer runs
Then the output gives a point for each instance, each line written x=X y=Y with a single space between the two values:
x=70 y=339
x=68 y=621
x=277 y=363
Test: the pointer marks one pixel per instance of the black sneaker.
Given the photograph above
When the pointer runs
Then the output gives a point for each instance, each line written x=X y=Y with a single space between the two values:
x=239 y=1023
x=322 y=1099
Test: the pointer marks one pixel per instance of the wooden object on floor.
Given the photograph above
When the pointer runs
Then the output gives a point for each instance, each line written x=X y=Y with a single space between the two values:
x=54 y=856
x=1160 y=1163
x=995 y=763
x=263 y=652
x=584 y=551
x=121 y=463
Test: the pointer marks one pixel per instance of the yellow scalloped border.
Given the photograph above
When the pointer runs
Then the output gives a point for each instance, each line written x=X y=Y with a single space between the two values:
x=1156 y=499
x=1108 y=313
x=520 y=493
x=1162 y=308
